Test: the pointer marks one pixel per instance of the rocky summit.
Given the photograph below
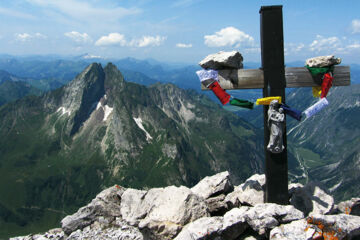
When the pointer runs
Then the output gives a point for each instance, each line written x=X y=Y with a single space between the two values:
x=212 y=209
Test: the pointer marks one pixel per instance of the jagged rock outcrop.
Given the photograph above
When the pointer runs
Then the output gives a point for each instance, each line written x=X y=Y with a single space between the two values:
x=181 y=213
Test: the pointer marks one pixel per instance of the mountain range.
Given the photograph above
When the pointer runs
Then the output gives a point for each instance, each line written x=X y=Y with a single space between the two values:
x=58 y=150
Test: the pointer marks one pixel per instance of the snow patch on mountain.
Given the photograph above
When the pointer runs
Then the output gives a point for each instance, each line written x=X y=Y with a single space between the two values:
x=141 y=126
x=107 y=111
x=63 y=111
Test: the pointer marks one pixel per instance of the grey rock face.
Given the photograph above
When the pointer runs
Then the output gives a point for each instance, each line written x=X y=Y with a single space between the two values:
x=296 y=230
x=53 y=234
x=323 y=61
x=264 y=217
x=214 y=185
x=162 y=211
x=222 y=60
x=229 y=227
x=203 y=228
x=106 y=204
x=119 y=230
x=312 y=199
x=250 y=193
x=234 y=223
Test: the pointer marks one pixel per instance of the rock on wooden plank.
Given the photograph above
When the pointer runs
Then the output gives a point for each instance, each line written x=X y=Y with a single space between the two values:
x=323 y=61
x=223 y=60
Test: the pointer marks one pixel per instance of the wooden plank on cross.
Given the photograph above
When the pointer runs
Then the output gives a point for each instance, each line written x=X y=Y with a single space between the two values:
x=231 y=79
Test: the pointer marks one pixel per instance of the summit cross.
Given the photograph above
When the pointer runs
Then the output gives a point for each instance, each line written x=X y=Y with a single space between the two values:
x=273 y=78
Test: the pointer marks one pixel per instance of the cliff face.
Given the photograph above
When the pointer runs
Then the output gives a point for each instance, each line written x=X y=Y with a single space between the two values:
x=212 y=209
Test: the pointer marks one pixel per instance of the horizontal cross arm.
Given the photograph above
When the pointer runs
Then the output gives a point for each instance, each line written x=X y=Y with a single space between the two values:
x=295 y=77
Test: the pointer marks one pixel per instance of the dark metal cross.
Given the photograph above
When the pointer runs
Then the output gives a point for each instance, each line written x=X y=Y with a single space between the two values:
x=273 y=78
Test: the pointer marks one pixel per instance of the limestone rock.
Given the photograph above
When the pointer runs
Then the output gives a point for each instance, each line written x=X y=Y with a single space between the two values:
x=203 y=228
x=106 y=204
x=250 y=193
x=323 y=61
x=263 y=217
x=214 y=185
x=118 y=231
x=217 y=205
x=234 y=223
x=312 y=199
x=162 y=211
x=340 y=226
x=351 y=207
x=296 y=230
x=222 y=60
x=229 y=227
x=53 y=234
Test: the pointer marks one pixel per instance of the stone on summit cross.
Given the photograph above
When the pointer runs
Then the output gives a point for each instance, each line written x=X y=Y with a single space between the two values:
x=323 y=61
x=222 y=60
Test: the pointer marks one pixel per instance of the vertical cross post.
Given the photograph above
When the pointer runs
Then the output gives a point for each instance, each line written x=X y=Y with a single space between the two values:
x=272 y=59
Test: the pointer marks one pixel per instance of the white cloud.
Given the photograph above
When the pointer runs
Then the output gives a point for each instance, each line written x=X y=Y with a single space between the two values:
x=355 y=26
x=184 y=45
x=23 y=37
x=229 y=36
x=353 y=46
x=111 y=40
x=147 y=41
x=92 y=11
x=117 y=39
x=78 y=37
x=293 y=48
x=328 y=44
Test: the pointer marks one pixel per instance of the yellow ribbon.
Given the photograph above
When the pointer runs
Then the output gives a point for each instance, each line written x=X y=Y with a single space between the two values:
x=316 y=91
x=267 y=100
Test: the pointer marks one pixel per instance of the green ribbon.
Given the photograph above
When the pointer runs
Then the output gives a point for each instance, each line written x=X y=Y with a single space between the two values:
x=241 y=103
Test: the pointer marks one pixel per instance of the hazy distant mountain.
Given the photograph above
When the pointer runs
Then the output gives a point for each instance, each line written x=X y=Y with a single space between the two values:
x=13 y=88
x=59 y=150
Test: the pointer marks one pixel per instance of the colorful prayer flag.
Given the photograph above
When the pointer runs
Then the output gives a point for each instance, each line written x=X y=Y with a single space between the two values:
x=326 y=84
x=223 y=96
x=316 y=91
x=317 y=107
x=242 y=103
x=207 y=74
x=267 y=100
x=291 y=112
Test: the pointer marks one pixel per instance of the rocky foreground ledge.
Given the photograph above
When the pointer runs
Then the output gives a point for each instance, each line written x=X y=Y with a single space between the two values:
x=213 y=209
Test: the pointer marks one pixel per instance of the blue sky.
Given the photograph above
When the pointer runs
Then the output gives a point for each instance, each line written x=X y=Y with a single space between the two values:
x=176 y=31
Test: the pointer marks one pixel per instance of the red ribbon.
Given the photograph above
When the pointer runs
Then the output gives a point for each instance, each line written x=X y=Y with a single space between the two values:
x=223 y=96
x=326 y=84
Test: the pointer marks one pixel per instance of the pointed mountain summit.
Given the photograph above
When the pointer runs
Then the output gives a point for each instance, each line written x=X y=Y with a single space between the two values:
x=59 y=150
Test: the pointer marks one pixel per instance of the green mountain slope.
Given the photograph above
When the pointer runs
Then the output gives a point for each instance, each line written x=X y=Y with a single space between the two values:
x=58 y=150
x=327 y=145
